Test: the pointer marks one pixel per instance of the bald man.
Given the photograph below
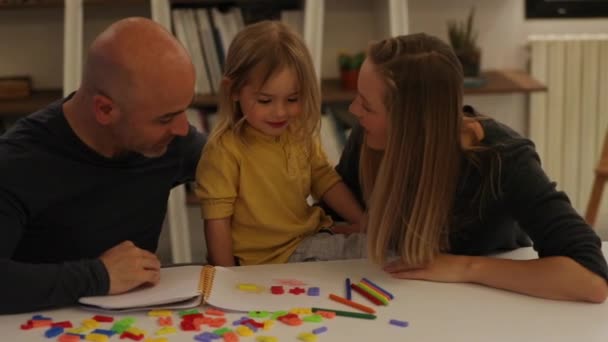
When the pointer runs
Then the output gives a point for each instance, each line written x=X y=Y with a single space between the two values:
x=84 y=182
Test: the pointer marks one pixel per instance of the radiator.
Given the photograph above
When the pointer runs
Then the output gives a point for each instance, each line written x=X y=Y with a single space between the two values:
x=568 y=122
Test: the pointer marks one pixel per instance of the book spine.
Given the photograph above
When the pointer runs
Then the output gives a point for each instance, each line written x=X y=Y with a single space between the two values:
x=205 y=285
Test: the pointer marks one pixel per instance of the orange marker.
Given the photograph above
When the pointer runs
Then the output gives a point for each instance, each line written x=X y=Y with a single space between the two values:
x=351 y=303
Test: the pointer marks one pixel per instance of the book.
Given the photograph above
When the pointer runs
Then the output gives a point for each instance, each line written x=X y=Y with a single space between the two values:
x=200 y=63
x=15 y=87
x=186 y=31
x=209 y=48
x=180 y=287
x=232 y=289
x=220 y=21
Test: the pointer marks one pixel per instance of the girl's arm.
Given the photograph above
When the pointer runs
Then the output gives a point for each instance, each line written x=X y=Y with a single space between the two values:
x=552 y=277
x=342 y=201
x=219 y=242
x=328 y=186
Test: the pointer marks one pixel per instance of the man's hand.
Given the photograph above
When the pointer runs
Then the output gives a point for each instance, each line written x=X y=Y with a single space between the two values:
x=129 y=267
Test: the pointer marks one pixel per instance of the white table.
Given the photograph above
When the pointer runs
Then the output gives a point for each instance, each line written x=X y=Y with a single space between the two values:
x=435 y=311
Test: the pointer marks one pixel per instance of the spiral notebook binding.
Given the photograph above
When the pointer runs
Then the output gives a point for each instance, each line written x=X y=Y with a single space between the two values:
x=205 y=284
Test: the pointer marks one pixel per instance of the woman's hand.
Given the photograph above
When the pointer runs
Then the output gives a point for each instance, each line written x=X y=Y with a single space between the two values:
x=444 y=268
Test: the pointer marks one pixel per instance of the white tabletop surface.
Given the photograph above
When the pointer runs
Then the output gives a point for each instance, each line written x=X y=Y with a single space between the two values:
x=435 y=312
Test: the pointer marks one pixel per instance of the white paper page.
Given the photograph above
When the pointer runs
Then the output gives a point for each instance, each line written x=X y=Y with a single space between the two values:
x=176 y=284
x=226 y=294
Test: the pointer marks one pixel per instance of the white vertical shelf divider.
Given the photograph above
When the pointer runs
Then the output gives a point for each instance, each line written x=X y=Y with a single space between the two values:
x=161 y=12
x=399 y=17
x=314 y=17
x=72 y=45
x=177 y=212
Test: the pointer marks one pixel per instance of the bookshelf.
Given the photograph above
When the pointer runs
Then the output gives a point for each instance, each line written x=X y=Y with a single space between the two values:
x=390 y=17
x=25 y=4
x=506 y=81
x=497 y=82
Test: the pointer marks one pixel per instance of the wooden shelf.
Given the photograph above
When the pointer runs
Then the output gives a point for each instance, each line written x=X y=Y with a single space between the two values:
x=12 y=4
x=115 y=2
x=331 y=92
x=283 y=4
x=496 y=82
x=506 y=81
x=38 y=100
x=16 y=4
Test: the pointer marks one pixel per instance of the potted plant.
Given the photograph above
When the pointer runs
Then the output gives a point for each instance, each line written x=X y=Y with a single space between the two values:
x=463 y=39
x=349 y=69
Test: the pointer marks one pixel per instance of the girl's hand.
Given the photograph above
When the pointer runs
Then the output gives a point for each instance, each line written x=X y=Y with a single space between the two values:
x=444 y=268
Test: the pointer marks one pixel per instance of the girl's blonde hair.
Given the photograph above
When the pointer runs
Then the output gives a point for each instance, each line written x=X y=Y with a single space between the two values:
x=267 y=48
x=411 y=192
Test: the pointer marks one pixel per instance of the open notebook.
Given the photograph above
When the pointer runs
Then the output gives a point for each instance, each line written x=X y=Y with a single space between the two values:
x=189 y=286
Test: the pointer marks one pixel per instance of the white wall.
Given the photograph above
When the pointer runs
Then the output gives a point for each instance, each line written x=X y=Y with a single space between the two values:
x=502 y=26
x=503 y=31
x=349 y=25
x=97 y=18
x=32 y=44
x=31 y=39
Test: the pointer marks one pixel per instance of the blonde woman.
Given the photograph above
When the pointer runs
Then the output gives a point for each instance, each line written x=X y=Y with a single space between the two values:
x=264 y=159
x=444 y=186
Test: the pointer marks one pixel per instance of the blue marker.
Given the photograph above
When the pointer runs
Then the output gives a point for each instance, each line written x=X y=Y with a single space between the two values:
x=379 y=288
x=349 y=294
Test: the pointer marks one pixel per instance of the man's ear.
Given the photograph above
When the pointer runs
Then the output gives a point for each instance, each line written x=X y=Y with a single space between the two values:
x=105 y=109
x=227 y=85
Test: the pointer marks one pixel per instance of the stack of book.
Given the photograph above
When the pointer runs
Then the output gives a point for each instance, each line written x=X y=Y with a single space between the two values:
x=206 y=32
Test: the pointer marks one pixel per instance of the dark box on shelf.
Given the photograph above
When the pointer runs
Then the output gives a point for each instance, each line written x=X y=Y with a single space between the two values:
x=15 y=87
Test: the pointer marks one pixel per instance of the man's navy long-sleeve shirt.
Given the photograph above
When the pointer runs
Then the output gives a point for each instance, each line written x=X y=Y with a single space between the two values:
x=62 y=205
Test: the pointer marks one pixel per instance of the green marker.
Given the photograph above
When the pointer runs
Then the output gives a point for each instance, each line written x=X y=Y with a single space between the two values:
x=347 y=313
x=373 y=293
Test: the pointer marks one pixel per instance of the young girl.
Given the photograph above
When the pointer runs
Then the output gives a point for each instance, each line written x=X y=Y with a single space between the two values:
x=264 y=159
x=444 y=185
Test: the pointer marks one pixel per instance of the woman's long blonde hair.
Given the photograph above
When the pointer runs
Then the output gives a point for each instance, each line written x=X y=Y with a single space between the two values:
x=411 y=193
x=267 y=48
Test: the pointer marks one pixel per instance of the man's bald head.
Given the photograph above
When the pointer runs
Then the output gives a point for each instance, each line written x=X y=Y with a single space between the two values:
x=135 y=58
